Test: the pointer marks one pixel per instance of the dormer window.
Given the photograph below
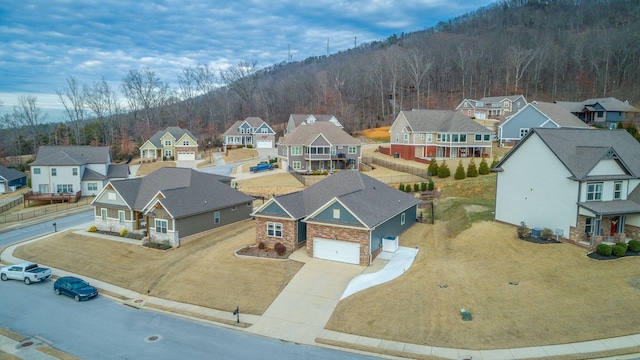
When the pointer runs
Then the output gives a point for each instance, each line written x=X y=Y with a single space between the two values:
x=167 y=143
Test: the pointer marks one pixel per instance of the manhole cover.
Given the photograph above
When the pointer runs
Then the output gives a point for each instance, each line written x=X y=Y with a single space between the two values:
x=26 y=344
x=138 y=301
x=153 y=338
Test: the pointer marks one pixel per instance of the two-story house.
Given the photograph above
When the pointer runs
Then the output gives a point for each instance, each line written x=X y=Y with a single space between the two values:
x=604 y=111
x=172 y=143
x=251 y=132
x=424 y=134
x=296 y=120
x=581 y=183
x=536 y=114
x=319 y=146
x=494 y=107
x=72 y=169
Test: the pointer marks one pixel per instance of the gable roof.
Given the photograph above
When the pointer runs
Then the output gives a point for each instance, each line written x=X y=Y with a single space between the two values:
x=554 y=112
x=443 y=121
x=306 y=134
x=254 y=122
x=370 y=200
x=580 y=150
x=609 y=104
x=71 y=155
x=118 y=171
x=175 y=131
x=11 y=174
x=302 y=118
x=495 y=99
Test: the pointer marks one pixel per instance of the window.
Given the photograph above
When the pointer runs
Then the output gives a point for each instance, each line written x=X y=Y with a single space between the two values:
x=36 y=171
x=75 y=171
x=241 y=130
x=333 y=150
x=468 y=112
x=487 y=137
x=121 y=216
x=463 y=138
x=422 y=136
x=454 y=138
x=397 y=137
x=429 y=138
x=296 y=165
x=594 y=191
x=600 y=114
x=161 y=226
x=111 y=195
x=523 y=132
x=167 y=153
x=506 y=104
x=478 y=137
x=588 y=225
x=185 y=142
x=352 y=150
x=216 y=217
x=402 y=219
x=336 y=213
x=103 y=214
x=234 y=208
x=264 y=130
x=65 y=188
x=92 y=186
x=167 y=143
x=296 y=150
x=54 y=172
x=274 y=229
x=617 y=190
x=406 y=137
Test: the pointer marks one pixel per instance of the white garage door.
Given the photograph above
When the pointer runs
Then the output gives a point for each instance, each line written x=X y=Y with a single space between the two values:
x=264 y=144
x=187 y=156
x=342 y=251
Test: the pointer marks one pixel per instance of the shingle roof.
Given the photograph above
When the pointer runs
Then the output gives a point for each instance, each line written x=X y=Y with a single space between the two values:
x=305 y=134
x=175 y=131
x=255 y=123
x=494 y=99
x=559 y=114
x=581 y=149
x=11 y=174
x=611 y=104
x=370 y=200
x=118 y=171
x=443 y=121
x=71 y=155
x=92 y=175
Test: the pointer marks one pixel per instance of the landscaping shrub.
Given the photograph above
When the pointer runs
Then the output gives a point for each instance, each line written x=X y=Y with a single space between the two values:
x=494 y=163
x=484 y=167
x=407 y=188
x=401 y=187
x=280 y=249
x=261 y=245
x=443 y=170
x=431 y=185
x=546 y=234
x=416 y=187
x=93 y=228
x=523 y=231
x=604 y=250
x=433 y=167
x=423 y=186
x=623 y=244
x=618 y=250
x=460 y=174
x=634 y=245
x=249 y=146
x=273 y=161
x=472 y=169
x=123 y=232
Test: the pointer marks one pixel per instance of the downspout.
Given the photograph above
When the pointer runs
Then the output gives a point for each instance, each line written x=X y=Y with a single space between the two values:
x=370 y=254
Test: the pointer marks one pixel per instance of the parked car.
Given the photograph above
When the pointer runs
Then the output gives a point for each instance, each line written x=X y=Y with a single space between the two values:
x=263 y=165
x=27 y=272
x=78 y=289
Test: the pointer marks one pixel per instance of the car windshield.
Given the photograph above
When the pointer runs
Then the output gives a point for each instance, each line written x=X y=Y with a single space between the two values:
x=79 y=284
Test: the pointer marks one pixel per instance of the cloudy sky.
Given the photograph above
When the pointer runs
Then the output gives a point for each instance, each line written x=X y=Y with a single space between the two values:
x=42 y=43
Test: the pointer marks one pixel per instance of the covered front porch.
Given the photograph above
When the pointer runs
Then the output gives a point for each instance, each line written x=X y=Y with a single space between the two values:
x=606 y=222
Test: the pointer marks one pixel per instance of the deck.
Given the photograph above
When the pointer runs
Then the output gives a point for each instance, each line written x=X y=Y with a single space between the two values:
x=51 y=197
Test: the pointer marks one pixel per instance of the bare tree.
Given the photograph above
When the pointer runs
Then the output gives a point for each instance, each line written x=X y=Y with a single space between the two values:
x=28 y=114
x=417 y=67
x=188 y=92
x=103 y=101
x=242 y=80
x=145 y=93
x=72 y=99
x=520 y=59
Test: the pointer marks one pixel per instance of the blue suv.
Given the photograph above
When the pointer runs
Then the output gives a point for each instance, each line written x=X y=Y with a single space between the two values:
x=78 y=289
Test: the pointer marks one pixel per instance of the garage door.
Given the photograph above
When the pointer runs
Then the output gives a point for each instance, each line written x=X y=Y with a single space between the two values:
x=264 y=144
x=342 y=251
x=187 y=156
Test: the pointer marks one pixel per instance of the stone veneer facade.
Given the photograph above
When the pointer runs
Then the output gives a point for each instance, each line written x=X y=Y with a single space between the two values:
x=289 y=234
x=342 y=234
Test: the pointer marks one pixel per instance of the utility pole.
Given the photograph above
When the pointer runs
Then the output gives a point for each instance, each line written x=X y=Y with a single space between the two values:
x=355 y=42
x=327 y=47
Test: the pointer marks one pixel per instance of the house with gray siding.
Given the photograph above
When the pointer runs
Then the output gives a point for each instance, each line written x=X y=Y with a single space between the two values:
x=296 y=120
x=251 y=132
x=580 y=183
x=170 y=204
x=11 y=179
x=493 y=107
x=536 y=115
x=319 y=146
x=172 y=143
x=347 y=217
x=603 y=111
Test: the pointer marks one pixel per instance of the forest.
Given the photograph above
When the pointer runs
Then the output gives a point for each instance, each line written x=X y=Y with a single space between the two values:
x=555 y=50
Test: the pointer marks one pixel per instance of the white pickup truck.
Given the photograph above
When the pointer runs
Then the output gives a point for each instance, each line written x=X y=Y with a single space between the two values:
x=27 y=272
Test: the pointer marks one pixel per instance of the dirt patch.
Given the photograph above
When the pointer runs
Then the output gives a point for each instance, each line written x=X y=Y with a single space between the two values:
x=254 y=251
x=475 y=208
x=233 y=155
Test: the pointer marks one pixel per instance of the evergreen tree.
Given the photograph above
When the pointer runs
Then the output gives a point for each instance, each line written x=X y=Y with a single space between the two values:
x=431 y=185
x=460 y=174
x=472 y=169
x=494 y=163
x=433 y=167
x=443 y=170
x=484 y=167
x=401 y=187
x=416 y=187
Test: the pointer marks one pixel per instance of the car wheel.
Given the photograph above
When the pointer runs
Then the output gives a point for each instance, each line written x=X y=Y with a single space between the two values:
x=3 y=277
x=76 y=298
x=27 y=281
x=57 y=291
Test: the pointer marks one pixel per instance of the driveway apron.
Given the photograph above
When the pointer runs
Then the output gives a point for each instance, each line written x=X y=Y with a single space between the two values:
x=303 y=308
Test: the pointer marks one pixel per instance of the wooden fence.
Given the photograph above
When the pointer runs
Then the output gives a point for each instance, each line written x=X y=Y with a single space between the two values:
x=423 y=173
x=9 y=205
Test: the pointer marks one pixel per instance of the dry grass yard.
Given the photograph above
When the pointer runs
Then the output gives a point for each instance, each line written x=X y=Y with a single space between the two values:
x=562 y=296
x=148 y=168
x=203 y=272
x=233 y=155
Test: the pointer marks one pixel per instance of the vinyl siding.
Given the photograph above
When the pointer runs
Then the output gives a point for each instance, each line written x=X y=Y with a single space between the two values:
x=274 y=208
x=607 y=167
x=393 y=227
x=345 y=215
x=203 y=222
x=526 y=119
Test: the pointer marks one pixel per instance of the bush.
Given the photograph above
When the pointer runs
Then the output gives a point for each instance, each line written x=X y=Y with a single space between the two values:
x=433 y=167
x=249 y=146
x=623 y=244
x=472 y=169
x=604 y=250
x=546 y=234
x=123 y=232
x=261 y=245
x=93 y=228
x=401 y=187
x=431 y=185
x=484 y=167
x=416 y=187
x=443 y=170
x=280 y=249
x=273 y=161
x=407 y=188
x=423 y=186
x=618 y=250
x=460 y=174
x=171 y=157
x=634 y=245
x=495 y=161
x=523 y=231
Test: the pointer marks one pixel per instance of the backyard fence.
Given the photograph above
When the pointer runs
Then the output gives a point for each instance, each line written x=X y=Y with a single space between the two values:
x=423 y=173
x=11 y=204
x=42 y=210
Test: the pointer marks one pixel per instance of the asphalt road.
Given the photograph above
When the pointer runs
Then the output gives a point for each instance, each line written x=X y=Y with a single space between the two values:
x=32 y=231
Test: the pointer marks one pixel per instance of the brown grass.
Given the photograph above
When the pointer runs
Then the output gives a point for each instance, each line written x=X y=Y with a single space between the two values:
x=562 y=296
x=148 y=168
x=202 y=272
x=233 y=155
x=378 y=134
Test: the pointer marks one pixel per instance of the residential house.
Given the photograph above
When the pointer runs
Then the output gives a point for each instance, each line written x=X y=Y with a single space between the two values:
x=494 y=107
x=424 y=134
x=170 y=204
x=319 y=146
x=172 y=143
x=73 y=169
x=251 y=132
x=296 y=120
x=347 y=217
x=536 y=115
x=11 y=179
x=604 y=111
x=580 y=183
